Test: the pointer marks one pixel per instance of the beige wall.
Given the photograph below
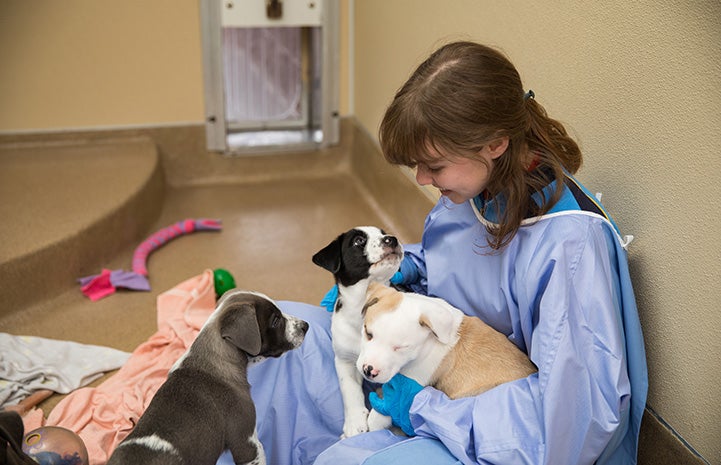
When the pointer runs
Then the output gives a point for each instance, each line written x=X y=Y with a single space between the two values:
x=88 y=63
x=85 y=63
x=639 y=84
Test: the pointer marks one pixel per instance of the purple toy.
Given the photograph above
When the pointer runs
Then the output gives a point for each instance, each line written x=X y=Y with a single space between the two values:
x=101 y=285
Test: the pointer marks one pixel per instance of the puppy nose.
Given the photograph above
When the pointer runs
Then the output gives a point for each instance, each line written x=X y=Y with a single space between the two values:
x=369 y=371
x=303 y=325
x=390 y=241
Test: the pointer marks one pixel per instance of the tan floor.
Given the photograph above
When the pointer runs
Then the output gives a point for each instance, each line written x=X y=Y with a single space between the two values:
x=270 y=232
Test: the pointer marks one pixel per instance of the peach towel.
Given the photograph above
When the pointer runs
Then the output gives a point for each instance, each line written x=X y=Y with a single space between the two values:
x=103 y=416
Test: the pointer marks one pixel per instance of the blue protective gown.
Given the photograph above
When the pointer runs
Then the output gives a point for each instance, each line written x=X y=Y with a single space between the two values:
x=560 y=290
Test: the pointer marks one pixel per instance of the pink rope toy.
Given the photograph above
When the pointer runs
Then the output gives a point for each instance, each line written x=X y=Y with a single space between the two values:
x=98 y=286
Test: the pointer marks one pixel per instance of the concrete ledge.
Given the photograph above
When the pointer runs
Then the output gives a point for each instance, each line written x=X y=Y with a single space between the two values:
x=403 y=203
x=68 y=208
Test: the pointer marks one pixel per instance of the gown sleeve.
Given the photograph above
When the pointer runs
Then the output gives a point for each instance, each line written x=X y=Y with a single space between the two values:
x=578 y=402
x=413 y=268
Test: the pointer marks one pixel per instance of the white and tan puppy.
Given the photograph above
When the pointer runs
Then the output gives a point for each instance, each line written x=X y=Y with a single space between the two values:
x=429 y=340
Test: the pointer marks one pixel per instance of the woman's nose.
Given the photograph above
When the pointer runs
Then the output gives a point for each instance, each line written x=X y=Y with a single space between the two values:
x=422 y=176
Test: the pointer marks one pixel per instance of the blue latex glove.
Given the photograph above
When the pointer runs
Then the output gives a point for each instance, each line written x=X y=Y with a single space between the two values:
x=329 y=300
x=397 y=278
x=398 y=395
x=407 y=274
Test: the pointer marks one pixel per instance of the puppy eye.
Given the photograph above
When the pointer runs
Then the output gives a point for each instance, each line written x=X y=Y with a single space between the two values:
x=369 y=336
x=359 y=241
x=275 y=322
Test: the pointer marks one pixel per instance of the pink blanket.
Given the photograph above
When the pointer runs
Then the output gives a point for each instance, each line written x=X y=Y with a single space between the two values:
x=103 y=416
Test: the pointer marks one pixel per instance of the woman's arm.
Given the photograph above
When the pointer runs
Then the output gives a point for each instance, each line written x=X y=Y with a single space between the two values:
x=412 y=272
x=578 y=402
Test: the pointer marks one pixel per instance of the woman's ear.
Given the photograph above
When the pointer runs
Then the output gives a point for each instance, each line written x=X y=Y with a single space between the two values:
x=497 y=147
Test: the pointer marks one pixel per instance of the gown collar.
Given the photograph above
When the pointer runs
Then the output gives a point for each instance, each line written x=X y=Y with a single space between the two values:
x=575 y=198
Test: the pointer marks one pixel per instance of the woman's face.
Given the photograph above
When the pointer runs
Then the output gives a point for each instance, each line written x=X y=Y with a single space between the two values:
x=459 y=178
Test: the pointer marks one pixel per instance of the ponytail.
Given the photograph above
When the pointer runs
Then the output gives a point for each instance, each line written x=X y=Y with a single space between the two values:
x=548 y=135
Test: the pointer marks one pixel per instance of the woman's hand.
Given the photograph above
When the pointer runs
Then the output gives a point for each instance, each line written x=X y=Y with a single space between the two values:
x=398 y=395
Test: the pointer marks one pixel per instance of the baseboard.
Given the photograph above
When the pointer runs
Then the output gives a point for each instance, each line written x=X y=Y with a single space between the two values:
x=404 y=203
x=660 y=444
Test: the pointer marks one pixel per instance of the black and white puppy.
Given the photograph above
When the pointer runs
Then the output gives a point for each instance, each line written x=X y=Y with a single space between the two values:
x=355 y=258
x=204 y=407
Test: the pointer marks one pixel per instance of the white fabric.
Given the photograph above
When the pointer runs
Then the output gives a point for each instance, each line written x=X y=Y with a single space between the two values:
x=29 y=364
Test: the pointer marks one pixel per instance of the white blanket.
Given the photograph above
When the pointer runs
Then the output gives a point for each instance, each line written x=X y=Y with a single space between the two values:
x=29 y=364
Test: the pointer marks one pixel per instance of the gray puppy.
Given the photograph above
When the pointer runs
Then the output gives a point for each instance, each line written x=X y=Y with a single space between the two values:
x=204 y=407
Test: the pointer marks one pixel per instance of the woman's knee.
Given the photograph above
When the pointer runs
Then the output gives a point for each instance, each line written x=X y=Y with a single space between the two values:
x=413 y=451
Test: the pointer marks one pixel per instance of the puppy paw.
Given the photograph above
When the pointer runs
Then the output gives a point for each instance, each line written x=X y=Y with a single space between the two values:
x=355 y=423
x=377 y=421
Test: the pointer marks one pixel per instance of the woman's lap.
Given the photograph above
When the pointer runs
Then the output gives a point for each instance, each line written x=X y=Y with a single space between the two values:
x=384 y=447
x=299 y=409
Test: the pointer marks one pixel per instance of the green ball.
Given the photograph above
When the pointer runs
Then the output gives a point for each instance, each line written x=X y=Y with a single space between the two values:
x=223 y=281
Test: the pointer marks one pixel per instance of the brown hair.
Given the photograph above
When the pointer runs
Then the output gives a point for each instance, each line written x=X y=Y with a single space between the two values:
x=464 y=96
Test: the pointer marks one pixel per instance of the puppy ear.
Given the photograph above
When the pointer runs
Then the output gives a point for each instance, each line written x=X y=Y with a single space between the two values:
x=369 y=303
x=239 y=326
x=441 y=321
x=329 y=257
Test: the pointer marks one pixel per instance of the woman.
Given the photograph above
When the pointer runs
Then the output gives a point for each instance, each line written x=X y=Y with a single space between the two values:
x=514 y=240
x=518 y=242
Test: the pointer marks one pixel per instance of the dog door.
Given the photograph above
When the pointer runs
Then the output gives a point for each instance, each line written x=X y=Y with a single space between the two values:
x=270 y=74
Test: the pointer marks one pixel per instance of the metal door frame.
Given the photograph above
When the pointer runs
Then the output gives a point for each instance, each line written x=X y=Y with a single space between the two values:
x=217 y=128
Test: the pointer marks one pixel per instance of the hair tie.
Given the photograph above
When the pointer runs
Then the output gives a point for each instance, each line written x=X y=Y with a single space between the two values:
x=529 y=94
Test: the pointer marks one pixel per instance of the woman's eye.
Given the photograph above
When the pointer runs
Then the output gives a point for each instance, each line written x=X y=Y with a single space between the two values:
x=428 y=168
